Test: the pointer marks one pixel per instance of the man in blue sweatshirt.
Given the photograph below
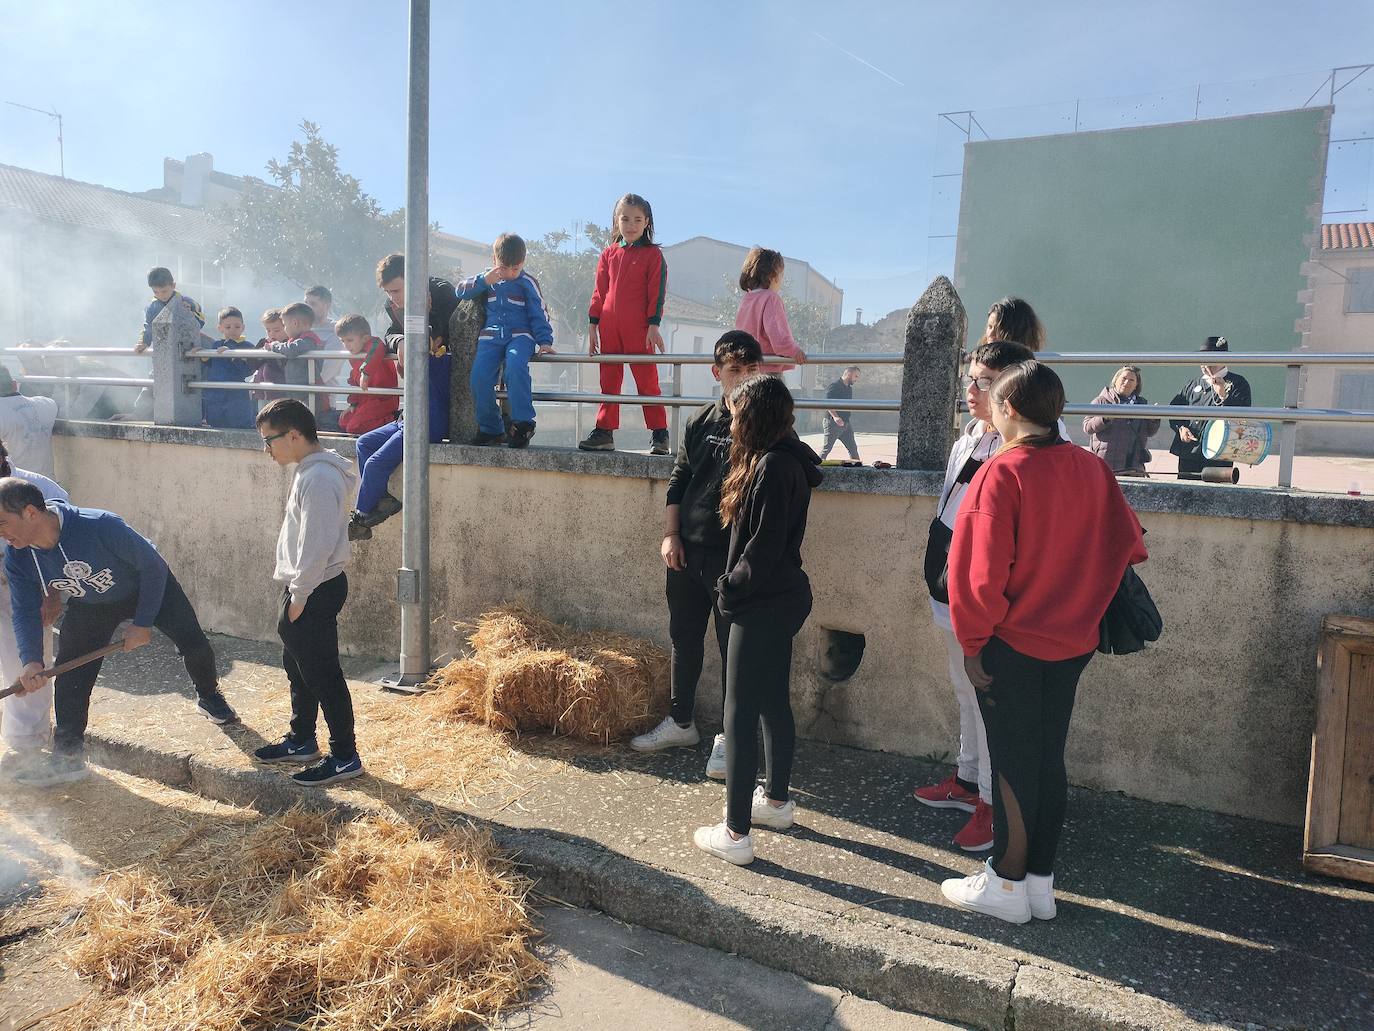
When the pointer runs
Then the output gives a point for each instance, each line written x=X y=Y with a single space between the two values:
x=109 y=573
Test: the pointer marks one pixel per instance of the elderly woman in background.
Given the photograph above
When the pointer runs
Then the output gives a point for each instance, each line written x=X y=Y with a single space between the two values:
x=1121 y=443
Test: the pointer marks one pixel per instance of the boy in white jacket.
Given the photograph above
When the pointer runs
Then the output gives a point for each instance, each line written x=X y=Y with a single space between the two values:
x=312 y=550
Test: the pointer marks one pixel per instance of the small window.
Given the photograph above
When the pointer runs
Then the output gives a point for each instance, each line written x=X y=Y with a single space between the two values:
x=1355 y=391
x=1359 y=291
x=696 y=344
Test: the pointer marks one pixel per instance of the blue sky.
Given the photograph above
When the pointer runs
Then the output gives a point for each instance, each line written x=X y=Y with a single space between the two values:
x=806 y=126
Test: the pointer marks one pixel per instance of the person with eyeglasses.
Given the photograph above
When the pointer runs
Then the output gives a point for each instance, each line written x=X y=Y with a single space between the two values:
x=312 y=551
x=969 y=788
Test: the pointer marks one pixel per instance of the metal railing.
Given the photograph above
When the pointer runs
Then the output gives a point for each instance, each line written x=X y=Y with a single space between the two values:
x=1289 y=416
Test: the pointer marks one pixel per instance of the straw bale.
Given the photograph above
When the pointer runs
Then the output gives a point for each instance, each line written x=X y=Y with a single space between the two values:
x=529 y=674
x=372 y=924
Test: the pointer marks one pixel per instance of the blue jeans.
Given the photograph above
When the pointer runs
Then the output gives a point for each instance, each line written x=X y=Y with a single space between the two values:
x=492 y=351
x=379 y=453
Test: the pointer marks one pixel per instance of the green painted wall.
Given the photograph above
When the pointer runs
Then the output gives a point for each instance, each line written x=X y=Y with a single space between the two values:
x=1148 y=239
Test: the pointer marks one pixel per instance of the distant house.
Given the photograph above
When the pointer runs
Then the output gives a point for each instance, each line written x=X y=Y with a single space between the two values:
x=701 y=268
x=1340 y=317
x=74 y=257
x=195 y=183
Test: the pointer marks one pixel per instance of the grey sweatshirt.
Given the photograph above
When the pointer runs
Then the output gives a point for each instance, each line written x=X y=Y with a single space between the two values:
x=312 y=546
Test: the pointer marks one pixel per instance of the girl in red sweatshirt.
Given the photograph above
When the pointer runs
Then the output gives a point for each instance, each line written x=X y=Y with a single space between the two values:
x=626 y=309
x=1040 y=544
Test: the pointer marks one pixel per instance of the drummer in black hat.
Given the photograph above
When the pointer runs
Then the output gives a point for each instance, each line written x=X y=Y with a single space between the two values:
x=1216 y=387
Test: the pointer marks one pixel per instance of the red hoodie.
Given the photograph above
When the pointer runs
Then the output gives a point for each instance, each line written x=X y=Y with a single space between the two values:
x=1041 y=541
x=371 y=410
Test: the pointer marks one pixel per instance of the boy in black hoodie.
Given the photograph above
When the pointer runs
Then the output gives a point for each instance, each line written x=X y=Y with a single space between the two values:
x=694 y=547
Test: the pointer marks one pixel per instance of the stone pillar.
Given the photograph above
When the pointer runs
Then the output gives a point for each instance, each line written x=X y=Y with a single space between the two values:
x=935 y=332
x=463 y=328
x=176 y=331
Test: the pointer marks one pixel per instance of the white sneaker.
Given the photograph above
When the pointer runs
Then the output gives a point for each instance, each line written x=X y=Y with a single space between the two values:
x=985 y=892
x=774 y=817
x=666 y=735
x=1040 y=894
x=715 y=766
x=717 y=841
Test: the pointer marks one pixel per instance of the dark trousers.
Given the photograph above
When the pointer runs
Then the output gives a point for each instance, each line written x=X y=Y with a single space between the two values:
x=1026 y=711
x=310 y=656
x=844 y=434
x=86 y=627
x=691 y=603
x=758 y=672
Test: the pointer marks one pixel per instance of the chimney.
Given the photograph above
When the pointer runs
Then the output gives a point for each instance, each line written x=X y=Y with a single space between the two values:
x=858 y=316
x=195 y=177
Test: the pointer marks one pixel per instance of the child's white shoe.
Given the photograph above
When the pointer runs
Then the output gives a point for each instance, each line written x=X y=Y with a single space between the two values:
x=985 y=892
x=717 y=842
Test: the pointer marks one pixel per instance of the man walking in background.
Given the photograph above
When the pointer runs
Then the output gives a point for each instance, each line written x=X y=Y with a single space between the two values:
x=839 y=424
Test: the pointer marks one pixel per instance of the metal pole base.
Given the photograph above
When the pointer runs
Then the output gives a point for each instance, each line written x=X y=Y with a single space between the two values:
x=404 y=683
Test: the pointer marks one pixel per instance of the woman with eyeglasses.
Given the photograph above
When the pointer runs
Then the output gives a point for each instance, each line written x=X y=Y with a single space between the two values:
x=969 y=788
x=1122 y=443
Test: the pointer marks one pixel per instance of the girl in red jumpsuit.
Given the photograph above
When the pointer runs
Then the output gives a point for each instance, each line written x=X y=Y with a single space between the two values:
x=626 y=309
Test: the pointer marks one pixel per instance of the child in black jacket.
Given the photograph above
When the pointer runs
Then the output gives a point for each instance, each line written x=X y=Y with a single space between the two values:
x=766 y=595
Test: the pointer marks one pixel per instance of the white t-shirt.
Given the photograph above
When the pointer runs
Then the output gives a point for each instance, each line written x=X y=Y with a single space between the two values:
x=26 y=429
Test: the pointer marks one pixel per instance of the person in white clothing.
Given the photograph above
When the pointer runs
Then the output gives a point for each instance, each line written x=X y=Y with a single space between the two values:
x=26 y=426
x=969 y=788
x=25 y=720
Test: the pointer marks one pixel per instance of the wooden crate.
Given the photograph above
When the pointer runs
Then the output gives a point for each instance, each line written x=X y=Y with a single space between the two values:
x=1339 y=836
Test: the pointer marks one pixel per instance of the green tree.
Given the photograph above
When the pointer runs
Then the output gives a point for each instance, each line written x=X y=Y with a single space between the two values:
x=311 y=222
x=566 y=270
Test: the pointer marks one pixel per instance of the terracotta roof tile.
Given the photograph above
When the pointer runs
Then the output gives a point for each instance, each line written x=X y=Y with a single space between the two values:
x=54 y=199
x=1347 y=236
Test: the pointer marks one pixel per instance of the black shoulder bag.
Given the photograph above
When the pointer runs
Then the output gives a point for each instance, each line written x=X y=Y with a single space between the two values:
x=1131 y=618
x=937 y=544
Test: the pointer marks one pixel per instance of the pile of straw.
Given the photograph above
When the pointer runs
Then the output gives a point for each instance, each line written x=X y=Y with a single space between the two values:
x=310 y=923
x=528 y=673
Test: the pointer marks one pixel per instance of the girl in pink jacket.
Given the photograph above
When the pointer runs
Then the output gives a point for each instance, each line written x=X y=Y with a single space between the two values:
x=761 y=312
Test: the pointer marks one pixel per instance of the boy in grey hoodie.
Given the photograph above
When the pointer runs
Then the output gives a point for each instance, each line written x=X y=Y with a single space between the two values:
x=312 y=550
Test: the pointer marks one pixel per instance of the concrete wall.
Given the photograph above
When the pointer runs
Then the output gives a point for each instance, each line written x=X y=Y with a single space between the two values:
x=1217 y=715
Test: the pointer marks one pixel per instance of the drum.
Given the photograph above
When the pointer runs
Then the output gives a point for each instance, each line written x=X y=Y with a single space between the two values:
x=1237 y=440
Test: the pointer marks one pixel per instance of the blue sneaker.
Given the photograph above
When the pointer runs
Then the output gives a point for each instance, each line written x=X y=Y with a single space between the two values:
x=215 y=709
x=328 y=770
x=288 y=749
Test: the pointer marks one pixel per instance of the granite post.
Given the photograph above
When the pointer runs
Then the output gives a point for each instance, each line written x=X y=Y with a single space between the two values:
x=176 y=331
x=463 y=328
x=935 y=332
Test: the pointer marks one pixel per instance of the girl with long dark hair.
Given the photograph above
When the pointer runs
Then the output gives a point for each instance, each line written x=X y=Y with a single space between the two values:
x=766 y=596
x=1040 y=545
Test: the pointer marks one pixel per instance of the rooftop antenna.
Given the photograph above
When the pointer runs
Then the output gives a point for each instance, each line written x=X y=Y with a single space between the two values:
x=61 y=156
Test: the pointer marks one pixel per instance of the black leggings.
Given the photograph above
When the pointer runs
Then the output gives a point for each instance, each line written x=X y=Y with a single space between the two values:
x=310 y=656
x=691 y=602
x=86 y=627
x=758 y=673
x=1026 y=711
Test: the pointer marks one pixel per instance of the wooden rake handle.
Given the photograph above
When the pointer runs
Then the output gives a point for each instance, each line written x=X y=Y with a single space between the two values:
x=70 y=664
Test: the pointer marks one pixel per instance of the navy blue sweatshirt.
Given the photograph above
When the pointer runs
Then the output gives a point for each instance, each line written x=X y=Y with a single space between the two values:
x=99 y=560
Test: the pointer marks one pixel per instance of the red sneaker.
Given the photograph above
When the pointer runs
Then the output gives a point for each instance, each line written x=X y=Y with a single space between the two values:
x=977 y=833
x=948 y=794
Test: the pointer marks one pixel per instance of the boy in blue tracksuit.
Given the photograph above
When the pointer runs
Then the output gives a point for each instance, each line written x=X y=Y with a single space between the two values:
x=109 y=573
x=164 y=289
x=229 y=409
x=516 y=326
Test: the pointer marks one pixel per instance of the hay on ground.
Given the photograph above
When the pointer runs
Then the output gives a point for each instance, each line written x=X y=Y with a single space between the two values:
x=307 y=923
x=529 y=674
